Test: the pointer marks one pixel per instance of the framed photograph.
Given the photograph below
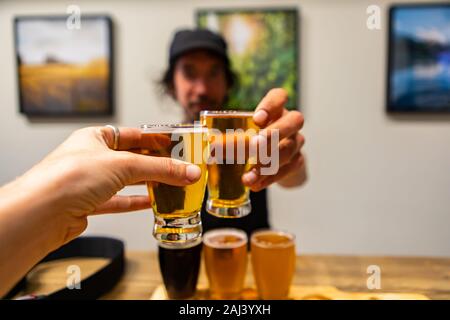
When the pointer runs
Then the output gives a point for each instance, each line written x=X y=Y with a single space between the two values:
x=263 y=48
x=64 y=71
x=418 y=77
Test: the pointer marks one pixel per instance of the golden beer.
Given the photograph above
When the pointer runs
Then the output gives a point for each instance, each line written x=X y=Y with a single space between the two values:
x=230 y=149
x=176 y=209
x=225 y=252
x=273 y=262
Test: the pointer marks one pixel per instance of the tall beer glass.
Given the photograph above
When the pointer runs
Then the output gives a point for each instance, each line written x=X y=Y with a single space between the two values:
x=229 y=136
x=225 y=252
x=273 y=262
x=176 y=209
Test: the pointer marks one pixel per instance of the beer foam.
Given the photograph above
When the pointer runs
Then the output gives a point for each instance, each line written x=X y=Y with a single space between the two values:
x=173 y=128
x=226 y=113
x=279 y=239
x=225 y=238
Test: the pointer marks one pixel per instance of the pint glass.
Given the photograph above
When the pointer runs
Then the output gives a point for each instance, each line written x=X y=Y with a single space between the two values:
x=225 y=252
x=273 y=262
x=179 y=268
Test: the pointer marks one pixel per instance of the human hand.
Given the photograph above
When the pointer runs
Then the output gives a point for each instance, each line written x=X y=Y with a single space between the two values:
x=270 y=115
x=82 y=176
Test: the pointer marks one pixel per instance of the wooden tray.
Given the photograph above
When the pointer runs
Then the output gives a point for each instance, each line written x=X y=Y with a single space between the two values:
x=304 y=293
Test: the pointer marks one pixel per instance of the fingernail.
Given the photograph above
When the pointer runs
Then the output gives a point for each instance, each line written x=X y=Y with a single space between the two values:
x=250 y=177
x=193 y=172
x=260 y=116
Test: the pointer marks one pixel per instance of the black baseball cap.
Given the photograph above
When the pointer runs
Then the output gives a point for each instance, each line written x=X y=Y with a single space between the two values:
x=187 y=40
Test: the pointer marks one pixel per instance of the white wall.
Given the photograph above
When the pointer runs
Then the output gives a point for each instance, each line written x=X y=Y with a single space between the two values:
x=378 y=184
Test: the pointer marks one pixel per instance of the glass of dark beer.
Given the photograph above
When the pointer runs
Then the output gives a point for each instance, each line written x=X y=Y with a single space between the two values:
x=179 y=268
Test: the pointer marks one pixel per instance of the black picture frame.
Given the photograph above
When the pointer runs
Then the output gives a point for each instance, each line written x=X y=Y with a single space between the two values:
x=293 y=103
x=391 y=107
x=108 y=97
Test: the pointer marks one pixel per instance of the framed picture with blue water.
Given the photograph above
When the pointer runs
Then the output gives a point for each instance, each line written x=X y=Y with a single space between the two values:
x=418 y=77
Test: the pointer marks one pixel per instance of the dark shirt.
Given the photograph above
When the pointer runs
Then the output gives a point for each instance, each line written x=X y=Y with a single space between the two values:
x=257 y=219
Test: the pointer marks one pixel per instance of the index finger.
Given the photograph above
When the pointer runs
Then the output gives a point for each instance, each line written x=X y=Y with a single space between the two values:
x=271 y=107
x=286 y=126
x=129 y=138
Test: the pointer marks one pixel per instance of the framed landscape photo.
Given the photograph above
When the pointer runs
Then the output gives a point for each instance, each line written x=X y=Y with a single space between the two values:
x=418 y=77
x=263 y=49
x=64 y=71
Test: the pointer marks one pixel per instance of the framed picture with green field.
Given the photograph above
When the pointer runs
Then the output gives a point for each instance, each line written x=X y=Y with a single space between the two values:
x=63 y=70
x=263 y=49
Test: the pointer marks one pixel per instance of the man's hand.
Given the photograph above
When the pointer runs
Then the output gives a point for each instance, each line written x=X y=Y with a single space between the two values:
x=271 y=114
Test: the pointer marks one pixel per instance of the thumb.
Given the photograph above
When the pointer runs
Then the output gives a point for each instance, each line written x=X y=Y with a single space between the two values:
x=161 y=169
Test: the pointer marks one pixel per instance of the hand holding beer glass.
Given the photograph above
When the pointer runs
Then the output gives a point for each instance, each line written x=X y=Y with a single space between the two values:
x=176 y=209
x=229 y=137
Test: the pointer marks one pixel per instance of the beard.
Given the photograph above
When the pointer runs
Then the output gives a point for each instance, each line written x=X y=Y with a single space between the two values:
x=200 y=104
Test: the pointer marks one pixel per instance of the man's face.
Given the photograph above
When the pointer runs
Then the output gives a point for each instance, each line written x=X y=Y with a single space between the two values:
x=199 y=82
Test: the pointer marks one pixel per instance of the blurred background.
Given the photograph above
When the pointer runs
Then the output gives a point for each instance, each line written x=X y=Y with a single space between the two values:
x=379 y=182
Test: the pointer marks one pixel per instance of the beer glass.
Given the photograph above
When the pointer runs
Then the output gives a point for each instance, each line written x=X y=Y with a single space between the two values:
x=229 y=137
x=179 y=268
x=273 y=263
x=176 y=209
x=225 y=253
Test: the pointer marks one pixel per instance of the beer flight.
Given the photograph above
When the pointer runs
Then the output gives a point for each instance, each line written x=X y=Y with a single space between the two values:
x=220 y=145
